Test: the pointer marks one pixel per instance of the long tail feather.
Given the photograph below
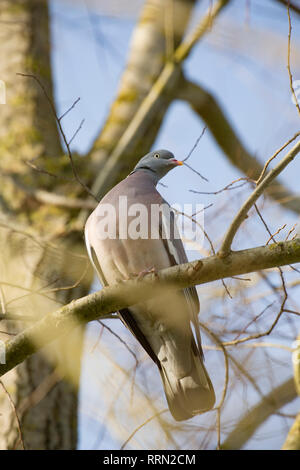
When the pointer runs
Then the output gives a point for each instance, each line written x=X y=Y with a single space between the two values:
x=190 y=395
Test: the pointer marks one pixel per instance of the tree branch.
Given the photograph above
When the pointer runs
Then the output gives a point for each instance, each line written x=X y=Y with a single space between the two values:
x=150 y=106
x=242 y=213
x=208 y=109
x=293 y=438
x=248 y=424
x=292 y=6
x=127 y=293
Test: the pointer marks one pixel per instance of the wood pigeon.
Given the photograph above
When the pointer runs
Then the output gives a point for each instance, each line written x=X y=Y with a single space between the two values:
x=166 y=326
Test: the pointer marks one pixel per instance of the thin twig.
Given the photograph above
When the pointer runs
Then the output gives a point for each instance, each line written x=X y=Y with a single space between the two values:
x=2 y=302
x=121 y=341
x=123 y=295
x=195 y=171
x=195 y=144
x=218 y=408
x=275 y=233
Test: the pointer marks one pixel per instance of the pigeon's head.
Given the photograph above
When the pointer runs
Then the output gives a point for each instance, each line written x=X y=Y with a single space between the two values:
x=159 y=162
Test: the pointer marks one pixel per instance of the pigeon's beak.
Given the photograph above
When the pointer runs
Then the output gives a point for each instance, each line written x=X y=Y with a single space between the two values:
x=177 y=162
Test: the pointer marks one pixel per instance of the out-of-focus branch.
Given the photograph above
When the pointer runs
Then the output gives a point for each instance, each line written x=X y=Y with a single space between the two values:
x=148 y=52
x=208 y=109
x=292 y=5
x=124 y=294
x=292 y=441
x=242 y=213
x=257 y=415
x=293 y=438
x=51 y=198
x=296 y=364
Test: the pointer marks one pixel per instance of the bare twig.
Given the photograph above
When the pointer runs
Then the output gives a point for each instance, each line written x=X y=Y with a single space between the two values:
x=271 y=328
x=2 y=302
x=253 y=418
x=289 y=59
x=292 y=441
x=141 y=426
x=274 y=156
x=226 y=188
x=218 y=408
x=40 y=392
x=195 y=171
x=195 y=144
x=67 y=144
x=293 y=6
x=121 y=341
x=69 y=109
x=76 y=132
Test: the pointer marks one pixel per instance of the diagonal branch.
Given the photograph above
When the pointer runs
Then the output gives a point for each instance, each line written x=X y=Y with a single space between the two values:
x=242 y=214
x=257 y=415
x=292 y=5
x=127 y=293
x=208 y=109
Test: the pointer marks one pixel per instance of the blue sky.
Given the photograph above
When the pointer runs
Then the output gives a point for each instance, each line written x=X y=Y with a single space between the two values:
x=243 y=65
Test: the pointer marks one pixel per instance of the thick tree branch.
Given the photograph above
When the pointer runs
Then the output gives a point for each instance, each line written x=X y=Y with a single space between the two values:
x=257 y=415
x=208 y=109
x=124 y=294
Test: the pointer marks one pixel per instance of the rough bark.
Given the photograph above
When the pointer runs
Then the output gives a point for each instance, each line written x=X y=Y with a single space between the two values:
x=27 y=131
x=257 y=415
x=126 y=293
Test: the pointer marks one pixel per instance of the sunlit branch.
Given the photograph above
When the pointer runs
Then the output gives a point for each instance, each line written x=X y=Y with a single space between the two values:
x=127 y=293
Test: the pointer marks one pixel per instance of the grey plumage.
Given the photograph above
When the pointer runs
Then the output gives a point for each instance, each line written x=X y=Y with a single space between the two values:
x=162 y=325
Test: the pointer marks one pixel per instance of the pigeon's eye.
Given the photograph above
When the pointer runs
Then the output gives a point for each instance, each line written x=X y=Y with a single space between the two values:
x=156 y=155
